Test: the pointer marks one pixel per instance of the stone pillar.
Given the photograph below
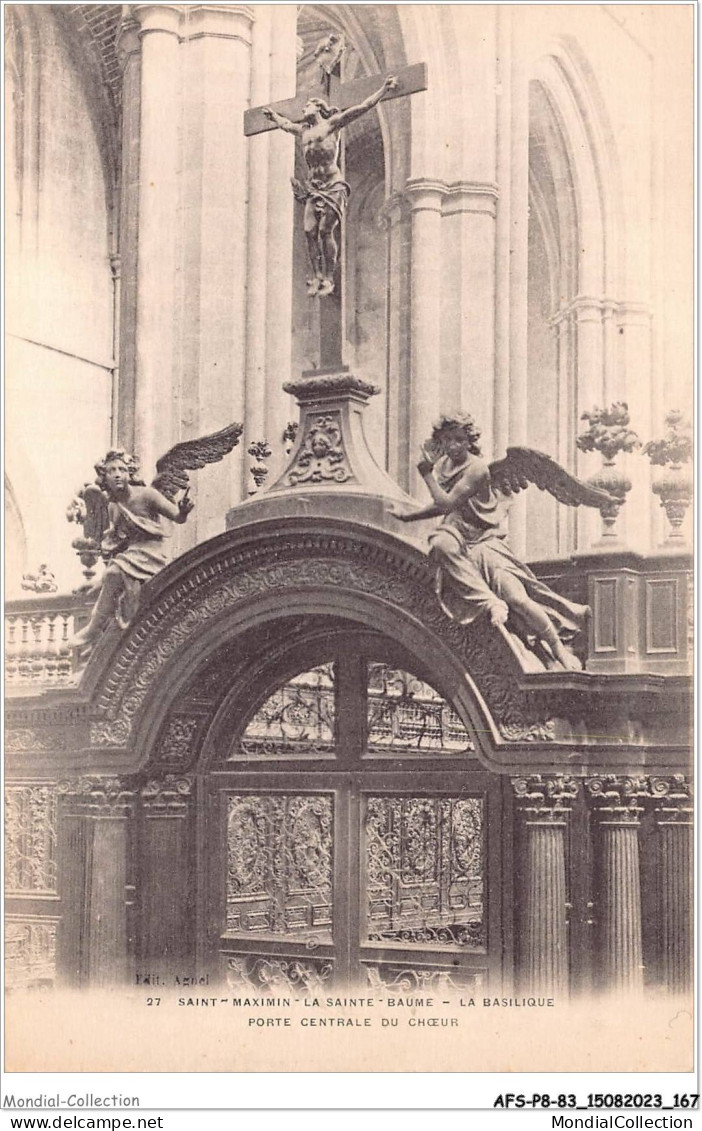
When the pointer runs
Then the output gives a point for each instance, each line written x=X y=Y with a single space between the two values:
x=165 y=887
x=129 y=55
x=98 y=813
x=280 y=220
x=674 y=813
x=633 y=339
x=511 y=257
x=210 y=374
x=543 y=803
x=502 y=231
x=617 y=814
x=425 y=202
x=398 y=331
x=468 y=345
x=257 y=237
x=519 y=282
x=160 y=99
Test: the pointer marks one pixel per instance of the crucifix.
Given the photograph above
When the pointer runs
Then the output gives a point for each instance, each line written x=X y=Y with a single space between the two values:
x=317 y=119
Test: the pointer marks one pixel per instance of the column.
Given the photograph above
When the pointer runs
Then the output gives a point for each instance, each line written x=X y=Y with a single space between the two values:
x=518 y=280
x=99 y=813
x=160 y=95
x=397 y=411
x=567 y=430
x=673 y=811
x=425 y=203
x=165 y=883
x=502 y=231
x=213 y=264
x=256 y=241
x=633 y=338
x=543 y=803
x=617 y=813
x=129 y=55
x=589 y=334
x=280 y=218
x=468 y=348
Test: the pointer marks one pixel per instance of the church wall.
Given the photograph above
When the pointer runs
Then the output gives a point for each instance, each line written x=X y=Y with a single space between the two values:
x=57 y=423
x=59 y=358
x=544 y=513
x=207 y=303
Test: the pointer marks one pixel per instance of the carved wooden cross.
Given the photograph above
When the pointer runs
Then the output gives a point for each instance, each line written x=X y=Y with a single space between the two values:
x=410 y=80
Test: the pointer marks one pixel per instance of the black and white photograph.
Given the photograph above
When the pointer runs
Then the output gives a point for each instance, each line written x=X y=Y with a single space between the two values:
x=348 y=457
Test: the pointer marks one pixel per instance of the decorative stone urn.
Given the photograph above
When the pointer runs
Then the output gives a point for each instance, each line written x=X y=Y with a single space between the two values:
x=674 y=486
x=609 y=433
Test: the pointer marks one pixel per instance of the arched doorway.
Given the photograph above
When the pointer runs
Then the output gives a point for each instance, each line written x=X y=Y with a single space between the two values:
x=348 y=835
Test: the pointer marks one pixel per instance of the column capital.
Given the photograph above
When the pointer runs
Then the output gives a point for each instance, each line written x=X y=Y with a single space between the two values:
x=168 y=796
x=425 y=194
x=221 y=21
x=672 y=797
x=127 y=42
x=394 y=209
x=616 y=799
x=165 y=18
x=545 y=798
x=111 y=797
x=471 y=196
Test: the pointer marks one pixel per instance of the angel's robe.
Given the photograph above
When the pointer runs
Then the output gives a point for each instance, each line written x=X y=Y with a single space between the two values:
x=141 y=553
x=469 y=577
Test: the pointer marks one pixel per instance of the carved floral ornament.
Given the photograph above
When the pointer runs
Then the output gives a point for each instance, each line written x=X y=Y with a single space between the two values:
x=100 y=797
x=322 y=458
x=293 y=562
x=609 y=795
x=116 y=797
x=364 y=567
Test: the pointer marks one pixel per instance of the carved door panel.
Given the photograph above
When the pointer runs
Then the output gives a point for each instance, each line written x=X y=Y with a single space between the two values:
x=425 y=917
x=285 y=923
x=353 y=839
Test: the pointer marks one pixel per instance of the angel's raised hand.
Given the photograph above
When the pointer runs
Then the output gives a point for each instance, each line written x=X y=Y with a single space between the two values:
x=185 y=505
x=426 y=462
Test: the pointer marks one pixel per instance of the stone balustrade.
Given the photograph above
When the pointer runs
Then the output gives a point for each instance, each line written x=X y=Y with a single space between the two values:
x=37 y=631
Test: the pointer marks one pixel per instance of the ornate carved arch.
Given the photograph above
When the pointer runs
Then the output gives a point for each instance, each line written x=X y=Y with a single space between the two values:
x=256 y=576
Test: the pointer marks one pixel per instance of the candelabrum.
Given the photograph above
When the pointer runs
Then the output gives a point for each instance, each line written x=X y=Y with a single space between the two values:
x=674 y=486
x=609 y=433
x=261 y=451
x=87 y=547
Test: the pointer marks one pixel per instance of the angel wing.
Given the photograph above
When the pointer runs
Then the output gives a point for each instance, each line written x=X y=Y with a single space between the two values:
x=522 y=466
x=172 y=469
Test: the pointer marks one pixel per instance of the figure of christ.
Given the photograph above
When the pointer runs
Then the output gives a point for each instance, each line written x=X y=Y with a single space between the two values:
x=477 y=572
x=134 y=542
x=326 y=194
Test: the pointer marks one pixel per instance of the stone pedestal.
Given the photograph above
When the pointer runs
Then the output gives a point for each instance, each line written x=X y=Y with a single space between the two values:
x=543 y=804
x=617 y=814
x=330 y=449
x=674 y=818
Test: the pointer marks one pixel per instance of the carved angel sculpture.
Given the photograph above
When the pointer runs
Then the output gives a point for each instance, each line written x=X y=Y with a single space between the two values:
x=124 y=518
x=476 y=570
